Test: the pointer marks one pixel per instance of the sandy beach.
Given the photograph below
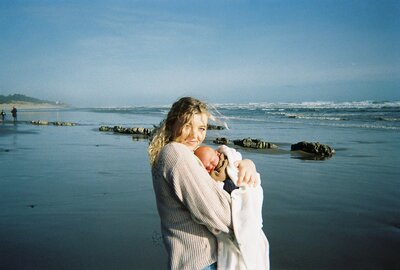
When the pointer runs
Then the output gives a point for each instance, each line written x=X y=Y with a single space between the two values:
x=72 y=197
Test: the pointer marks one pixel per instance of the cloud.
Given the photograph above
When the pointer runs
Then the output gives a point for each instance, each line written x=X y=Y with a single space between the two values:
x=130 y=51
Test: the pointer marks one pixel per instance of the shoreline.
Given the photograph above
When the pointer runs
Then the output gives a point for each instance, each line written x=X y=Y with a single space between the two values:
x=7 y=107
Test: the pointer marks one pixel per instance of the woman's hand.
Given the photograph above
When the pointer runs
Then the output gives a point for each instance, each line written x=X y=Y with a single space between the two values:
x=247 y=172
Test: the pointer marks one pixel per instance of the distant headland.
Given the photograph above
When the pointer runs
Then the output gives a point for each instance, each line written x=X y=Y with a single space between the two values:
x=25 y=102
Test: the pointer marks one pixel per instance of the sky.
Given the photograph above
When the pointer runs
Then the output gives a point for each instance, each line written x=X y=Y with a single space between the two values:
x=132 y=53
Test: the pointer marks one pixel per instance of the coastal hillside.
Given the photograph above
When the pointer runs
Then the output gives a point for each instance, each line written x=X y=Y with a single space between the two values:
x=25 y=102
x=17 y=98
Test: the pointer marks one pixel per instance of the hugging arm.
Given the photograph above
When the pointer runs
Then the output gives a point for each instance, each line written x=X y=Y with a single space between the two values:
x=246 y=169
x=207 y=203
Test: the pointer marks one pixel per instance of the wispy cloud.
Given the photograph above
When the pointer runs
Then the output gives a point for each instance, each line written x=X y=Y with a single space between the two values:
x=134 y=49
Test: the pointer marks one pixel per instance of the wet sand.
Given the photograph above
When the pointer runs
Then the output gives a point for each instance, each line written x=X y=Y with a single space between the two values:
x=77 y=198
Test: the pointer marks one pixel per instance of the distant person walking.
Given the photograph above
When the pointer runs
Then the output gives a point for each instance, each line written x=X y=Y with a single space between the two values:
x=14 y=113
x=3 y=115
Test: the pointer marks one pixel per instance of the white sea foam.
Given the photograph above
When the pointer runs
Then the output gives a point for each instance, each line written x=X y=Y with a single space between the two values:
x=312 y=105
x=328 y=118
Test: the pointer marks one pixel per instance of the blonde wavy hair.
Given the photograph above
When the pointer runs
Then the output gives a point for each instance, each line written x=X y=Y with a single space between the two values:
x=180 y=113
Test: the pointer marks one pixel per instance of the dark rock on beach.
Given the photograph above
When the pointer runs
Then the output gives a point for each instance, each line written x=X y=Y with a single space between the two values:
x=135 y=131
x=314 y=148
x=46 y=123
x=221 y=140
x=105 y=128
x=214 y=127
x=63 y=124
x=254 y=143
x=40 y=122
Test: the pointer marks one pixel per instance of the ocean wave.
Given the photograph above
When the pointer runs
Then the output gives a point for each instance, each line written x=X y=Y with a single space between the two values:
x=367 y=126
x=364 y=114
x=312 y=105
x=130 y=109
x=327 y=118
x=343 y=125
x=388 y=119
x=268 y=106
x=241 y=118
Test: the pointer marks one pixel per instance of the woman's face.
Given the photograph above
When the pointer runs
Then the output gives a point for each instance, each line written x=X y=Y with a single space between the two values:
x=194 y=132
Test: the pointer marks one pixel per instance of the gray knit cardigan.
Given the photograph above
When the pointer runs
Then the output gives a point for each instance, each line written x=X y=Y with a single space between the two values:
x=185 y=192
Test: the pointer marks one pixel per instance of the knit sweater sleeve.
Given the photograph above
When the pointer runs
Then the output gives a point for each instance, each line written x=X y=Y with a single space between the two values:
x=193 y=186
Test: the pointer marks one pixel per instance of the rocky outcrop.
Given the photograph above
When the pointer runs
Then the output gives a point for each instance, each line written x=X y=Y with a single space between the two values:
x=254 y=143
x=135 y=131
x=63 y=124
x=314 y=148
x=105 y=128
x=221 y=140
x=40 y=122
x=214 y=127
x=46 y=123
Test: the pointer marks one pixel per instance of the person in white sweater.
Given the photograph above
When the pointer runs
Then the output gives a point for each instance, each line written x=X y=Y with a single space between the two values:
x=189 y=202
x=249 y=249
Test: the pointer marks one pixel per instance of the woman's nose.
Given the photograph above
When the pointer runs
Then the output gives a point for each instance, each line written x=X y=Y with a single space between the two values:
x=192 y=132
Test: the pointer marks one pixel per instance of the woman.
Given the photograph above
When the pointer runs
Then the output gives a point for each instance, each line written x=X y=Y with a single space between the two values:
x=188 y=199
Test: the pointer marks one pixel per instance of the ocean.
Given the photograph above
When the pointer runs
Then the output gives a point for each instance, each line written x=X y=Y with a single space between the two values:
x=72 y=197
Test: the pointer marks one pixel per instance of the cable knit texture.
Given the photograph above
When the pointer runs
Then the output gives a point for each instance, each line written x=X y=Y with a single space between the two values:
x=185 y=192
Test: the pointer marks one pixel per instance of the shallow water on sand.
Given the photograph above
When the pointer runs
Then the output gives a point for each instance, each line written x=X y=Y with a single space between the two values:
x=77 y=198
